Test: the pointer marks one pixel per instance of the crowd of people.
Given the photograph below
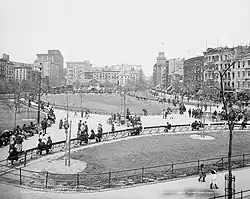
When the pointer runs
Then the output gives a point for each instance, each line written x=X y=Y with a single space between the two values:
x=83 y=133
x=16 y=137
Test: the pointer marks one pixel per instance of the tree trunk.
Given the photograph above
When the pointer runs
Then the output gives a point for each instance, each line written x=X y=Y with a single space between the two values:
x=230 y=125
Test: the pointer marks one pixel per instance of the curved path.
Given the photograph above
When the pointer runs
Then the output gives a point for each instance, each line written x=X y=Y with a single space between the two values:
x=177 y=189
x=58 y=134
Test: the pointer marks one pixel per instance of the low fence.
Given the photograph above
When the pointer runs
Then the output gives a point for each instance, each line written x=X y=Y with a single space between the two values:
x=86 y=181
x=30 y=154
x=239 y=195
x=113 y=179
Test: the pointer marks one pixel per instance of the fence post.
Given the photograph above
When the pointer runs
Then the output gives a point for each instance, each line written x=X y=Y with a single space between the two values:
x=20 y=169
x=243 y=159
x=110 y=178
x=46 y=179
x=142 y=173
x=172 y=168
x=77 y=180
x=25 y=158
x=198 y=166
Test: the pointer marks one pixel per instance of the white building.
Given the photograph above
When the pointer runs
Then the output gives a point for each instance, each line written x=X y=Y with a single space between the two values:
x=237 y=77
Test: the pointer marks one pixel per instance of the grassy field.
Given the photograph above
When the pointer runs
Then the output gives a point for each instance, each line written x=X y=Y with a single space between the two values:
x=7 y=117
x=106 y=102
x=159 y=150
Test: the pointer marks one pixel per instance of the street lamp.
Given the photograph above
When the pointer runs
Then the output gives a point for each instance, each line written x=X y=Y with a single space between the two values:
x=39 y=93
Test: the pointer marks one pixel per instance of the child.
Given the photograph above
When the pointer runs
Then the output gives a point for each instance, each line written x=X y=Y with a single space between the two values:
x=213 y=180
x=202 y=174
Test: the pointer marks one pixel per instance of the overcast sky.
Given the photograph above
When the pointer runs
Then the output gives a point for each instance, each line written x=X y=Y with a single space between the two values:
x=108 y=32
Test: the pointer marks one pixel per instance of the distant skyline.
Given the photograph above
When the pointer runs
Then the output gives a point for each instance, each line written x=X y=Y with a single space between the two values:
x=109 y=32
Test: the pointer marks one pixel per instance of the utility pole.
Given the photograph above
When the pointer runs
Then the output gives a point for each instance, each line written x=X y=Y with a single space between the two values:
x=66 y=126
x=39 y=94
x=69 y=143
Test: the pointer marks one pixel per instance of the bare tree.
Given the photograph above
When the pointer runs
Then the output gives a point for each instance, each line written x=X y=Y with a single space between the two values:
x=231 y=114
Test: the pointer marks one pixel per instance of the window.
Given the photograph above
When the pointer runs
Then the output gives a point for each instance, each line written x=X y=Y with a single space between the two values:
x=205 y=75
x=229 y=75
x=238 y=84
x=221 y=66
x=248 y=73
x=243 y=73
x=243 y=84
x=233 y=66
x=243 y=64
x=238 y=73
x=238 y=64
x=233 y=75
x=221 y=58
x=248 y=84
x=226 y=57
x=233 y=84
x=248 y=62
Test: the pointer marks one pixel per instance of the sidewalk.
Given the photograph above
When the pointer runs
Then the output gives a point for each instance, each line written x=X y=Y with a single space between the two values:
x=59 y=135
x=176 y=189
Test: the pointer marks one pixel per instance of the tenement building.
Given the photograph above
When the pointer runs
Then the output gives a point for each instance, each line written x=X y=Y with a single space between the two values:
x=193 y=74
x=237 y=78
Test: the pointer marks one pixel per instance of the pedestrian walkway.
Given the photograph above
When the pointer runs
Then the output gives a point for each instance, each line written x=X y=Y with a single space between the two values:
x=176 y=189
x=59 y=134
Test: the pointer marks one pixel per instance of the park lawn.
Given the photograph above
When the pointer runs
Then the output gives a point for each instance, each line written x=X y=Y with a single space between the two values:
x=7 y=117
x=159 y=150
x=106 y=102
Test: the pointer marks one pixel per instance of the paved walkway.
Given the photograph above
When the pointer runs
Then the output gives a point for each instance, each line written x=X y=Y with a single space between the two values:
x=176 y=189
x=58 y=134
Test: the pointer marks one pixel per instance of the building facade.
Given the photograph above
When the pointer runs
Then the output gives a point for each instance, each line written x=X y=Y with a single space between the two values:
x=76 y=72
x=83 y=73
x=237 y=78
x=161 y=71
x=193 y=74
x=52 y=67
x=22 y=71
x=6 y=68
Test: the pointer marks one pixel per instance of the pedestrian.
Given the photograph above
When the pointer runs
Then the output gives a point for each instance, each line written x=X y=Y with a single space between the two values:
x=19 y=143
x=79 y=125
x=82 y=113
x=86 y=128
x=202 y=174
x=213 y=181
x=189 y=112
x=112 y=128
x=44 y=125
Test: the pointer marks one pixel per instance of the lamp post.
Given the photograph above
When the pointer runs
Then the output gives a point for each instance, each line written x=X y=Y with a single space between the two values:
x=39 y=94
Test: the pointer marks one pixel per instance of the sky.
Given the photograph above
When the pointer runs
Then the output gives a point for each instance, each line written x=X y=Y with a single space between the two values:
x=109 y=32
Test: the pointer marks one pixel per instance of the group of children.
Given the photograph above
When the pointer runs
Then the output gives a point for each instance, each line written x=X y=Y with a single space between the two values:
x=202 y=177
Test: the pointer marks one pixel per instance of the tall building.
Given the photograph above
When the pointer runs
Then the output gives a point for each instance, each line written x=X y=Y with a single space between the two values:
x=193 y=74
x=160 y=71
x=53 y=67
x=237 y=78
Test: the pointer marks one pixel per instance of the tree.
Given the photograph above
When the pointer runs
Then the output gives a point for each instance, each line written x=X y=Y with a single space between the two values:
x=230 y=113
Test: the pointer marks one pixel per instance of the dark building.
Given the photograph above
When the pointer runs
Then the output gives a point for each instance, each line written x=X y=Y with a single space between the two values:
x=160 y=71
x=193 y=77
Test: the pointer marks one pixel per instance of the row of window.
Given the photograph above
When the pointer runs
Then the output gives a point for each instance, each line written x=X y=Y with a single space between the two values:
x=239 y=84
x=228 y=75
